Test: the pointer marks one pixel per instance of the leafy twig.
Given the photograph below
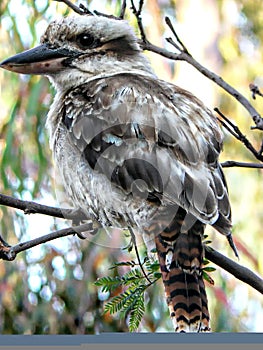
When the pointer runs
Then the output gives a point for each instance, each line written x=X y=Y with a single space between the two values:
x=138 y=255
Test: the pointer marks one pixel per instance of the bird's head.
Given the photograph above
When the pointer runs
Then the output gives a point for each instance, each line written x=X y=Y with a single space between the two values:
x=78 y=48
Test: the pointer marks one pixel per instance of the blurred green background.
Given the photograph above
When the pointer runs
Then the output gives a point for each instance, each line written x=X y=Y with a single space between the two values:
x=49 y=289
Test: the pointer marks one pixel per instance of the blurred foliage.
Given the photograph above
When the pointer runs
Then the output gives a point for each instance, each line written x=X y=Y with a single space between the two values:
x=50 y=289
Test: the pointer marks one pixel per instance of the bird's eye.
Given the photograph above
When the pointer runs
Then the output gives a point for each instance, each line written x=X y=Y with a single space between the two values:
x=85 y=40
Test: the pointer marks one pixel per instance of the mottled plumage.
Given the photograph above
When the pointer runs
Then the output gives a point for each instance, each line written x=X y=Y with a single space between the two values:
x=133 y=150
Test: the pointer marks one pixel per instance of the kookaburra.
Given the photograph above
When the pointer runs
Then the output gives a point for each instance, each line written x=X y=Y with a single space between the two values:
x=134 y=151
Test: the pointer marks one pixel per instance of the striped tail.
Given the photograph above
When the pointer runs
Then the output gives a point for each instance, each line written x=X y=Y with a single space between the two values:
x=180 y=256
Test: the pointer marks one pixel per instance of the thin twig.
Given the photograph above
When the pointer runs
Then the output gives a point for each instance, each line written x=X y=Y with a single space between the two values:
x=81 y=9
x=141 y=3
x=137 y=14
x=172 y=42
x=123 y=9
x=106 y=15
x=10 y=252
x=240 y=272
x=133 y=238
x=236 y=132
x=170 y=25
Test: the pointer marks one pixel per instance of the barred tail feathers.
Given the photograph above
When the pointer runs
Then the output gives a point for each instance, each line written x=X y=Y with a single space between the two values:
x=180 y=256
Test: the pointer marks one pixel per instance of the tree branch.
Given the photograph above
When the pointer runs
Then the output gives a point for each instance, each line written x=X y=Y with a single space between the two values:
x=184 y=55
x=233 y=163
x=30 y=207
x=123 y=9
x=183 y=47
x=137 y=14
x=235 y=131
x=240 y=272
x=81 y=9
x=9 y=253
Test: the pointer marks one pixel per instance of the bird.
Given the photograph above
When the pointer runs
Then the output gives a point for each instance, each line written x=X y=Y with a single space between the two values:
x=134 y=151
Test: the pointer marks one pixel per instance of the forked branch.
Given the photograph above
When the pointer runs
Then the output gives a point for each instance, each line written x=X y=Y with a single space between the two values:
x=81 y=9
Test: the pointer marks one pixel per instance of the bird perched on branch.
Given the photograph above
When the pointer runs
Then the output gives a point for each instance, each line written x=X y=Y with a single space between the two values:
x=134 y=151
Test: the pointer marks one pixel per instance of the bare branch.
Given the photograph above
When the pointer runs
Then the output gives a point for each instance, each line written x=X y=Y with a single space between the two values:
x=228 y=88
x=233 y=163
x=240 y=272
x=235 y=131
x=123 y=9
x=81 y=9
x=141 y=3
x=170 y=25
x=30 y=207
x=172 y=42
x=137 y=14
x=10 y=252
x=185 y=56
x=146 y=45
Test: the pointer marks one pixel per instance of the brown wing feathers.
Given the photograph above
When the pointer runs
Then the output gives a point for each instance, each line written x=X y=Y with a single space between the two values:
x=128 y=135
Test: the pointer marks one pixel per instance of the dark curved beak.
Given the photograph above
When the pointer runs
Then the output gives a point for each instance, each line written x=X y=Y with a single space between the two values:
x=39 y=60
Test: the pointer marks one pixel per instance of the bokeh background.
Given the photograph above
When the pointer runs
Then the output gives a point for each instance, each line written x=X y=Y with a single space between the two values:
x=49 y=289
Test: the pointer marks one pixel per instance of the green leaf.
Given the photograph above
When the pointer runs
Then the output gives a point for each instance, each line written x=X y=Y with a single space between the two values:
x=130 y=302
x=118 y=302
x=137 y=313
x=209 y=269
x=132 y=277
x=152 y=266
x=206 y=262
x=157 y=275
x=108 y=283
x=208 y=278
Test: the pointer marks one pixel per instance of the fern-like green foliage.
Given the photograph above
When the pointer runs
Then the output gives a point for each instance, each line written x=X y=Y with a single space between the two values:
x=134 y=282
